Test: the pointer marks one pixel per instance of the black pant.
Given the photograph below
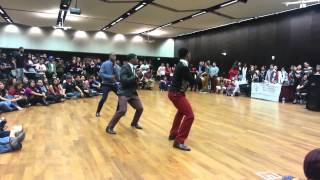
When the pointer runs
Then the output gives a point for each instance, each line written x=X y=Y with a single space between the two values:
x=135 y=102
x=105 y=91
x=54 y=98
x=37 y=99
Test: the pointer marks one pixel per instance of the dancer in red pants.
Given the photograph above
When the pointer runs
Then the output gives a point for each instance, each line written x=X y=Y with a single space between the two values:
x=184 y=118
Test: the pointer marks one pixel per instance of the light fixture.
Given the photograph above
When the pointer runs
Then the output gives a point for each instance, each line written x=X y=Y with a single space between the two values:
x=119 y=37
x=139 y=7
x=130 y=12
x=80 y=34
x=58 y=33
x=100 y=35
x=224 y=54
x=11 y=29
x=137 y=38
x=198 y=14
x=8 y=20
x=119 y=20
x=228 y=3
x=273 y=58
x=201 y=12
x=5 y=16
x=59 y=26
x=301 y=3
x=157 y=32
x=35 y=30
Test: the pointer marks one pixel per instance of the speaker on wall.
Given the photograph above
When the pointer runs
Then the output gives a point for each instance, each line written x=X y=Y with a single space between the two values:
x=313 y=97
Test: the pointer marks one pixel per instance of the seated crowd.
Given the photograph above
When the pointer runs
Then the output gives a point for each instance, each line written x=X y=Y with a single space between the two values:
x=30 y=79
x=241 y=76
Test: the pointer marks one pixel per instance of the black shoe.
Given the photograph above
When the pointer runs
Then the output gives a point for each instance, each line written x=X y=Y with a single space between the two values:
x=182 y=147
x=110 y=131
x=172 y=137
x=136 y=126
x=98 y=114
x=3 y=123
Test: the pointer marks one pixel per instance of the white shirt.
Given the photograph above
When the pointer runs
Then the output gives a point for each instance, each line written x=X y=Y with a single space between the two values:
x=184 y=62
x=162 y=70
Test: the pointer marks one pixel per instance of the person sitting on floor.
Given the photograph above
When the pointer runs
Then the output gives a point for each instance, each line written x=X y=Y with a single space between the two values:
x=10 y=140
x=94 y=84
x=57 y=89
x=164 y=84
x=7 y=103
x=35 y=95
x=25 y=82
x=19 y=93
x=87 y=90
x=71 y=89
x=50 y=96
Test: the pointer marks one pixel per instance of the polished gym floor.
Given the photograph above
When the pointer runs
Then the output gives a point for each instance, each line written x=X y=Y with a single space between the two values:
x=231 y=138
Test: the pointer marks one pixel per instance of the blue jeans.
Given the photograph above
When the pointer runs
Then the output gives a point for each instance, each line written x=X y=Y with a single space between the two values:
x=4 y=134
x=5 y=145
x=7 y=106
x=74 y=94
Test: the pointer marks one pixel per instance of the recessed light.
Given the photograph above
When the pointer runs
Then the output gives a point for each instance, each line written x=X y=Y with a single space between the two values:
x=119 y=37
x=80 y=34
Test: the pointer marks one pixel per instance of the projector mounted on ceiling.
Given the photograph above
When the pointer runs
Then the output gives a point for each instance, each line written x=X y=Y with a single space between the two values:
x=75 y=10
x=61 y=27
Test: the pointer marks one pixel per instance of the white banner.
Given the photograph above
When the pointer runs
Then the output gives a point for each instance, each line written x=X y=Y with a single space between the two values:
x=266 y=91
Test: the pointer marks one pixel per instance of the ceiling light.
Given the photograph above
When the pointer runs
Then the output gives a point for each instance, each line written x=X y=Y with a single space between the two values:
x=166 y=25
x=100 y=35
x=1 y=12
x=228 y=3
x=119 y=20
x=11 y=29
x=80 y=34
x=58 y=33
x=113 y=23
x=139 y=7
x=198 y=14
x=224 y=54
x=157 y=32
x=301 y=2
x=119 y=37
x=35 y=30
x=9 y=20
x=137 y=39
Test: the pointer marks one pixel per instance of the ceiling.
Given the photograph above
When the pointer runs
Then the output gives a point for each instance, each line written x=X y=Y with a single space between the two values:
x=96 y=14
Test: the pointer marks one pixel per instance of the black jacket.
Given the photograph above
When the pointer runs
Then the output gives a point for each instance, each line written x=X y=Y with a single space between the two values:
x=128 y=82
x=182 y=77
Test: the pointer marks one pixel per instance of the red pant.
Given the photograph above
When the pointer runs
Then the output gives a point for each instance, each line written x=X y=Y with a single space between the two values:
x=184 y=118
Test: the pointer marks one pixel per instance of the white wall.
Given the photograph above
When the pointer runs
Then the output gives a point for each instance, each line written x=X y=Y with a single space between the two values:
x=14 y=36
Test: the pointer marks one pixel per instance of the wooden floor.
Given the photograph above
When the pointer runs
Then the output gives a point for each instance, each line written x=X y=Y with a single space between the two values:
x=232 y=138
